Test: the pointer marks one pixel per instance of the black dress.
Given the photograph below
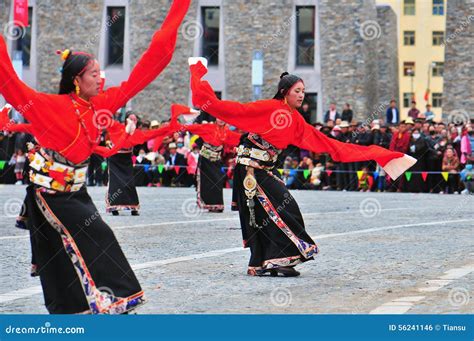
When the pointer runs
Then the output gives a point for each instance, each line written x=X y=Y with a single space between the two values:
x=210 y=179
x=80 y=263
x=274 y=228
x=121 y=191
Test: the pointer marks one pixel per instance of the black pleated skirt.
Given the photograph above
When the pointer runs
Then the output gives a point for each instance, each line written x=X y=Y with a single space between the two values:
x=210 y=184
x=80 y=263
x=121 y=191
x=281 y=239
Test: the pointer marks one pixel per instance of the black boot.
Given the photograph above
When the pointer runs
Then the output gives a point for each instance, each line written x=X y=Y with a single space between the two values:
x=286 y=271
x=115 y=213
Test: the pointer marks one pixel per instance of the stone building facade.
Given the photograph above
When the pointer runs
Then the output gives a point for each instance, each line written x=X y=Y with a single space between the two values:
x=458 y=99
x=354 y=48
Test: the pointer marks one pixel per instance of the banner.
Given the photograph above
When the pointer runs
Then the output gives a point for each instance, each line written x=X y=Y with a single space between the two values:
x=424 y=175
x=445 y=176
x=20 y=13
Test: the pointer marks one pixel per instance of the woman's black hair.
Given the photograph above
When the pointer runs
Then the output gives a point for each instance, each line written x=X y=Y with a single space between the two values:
x=286 y=83
x=74 y=65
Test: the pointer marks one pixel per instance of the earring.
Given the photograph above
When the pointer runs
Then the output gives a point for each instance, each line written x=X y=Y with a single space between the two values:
x=78 y=89
x=286 y=102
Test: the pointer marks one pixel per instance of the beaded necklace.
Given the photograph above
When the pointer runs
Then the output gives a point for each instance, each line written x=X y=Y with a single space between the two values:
x=81 y=122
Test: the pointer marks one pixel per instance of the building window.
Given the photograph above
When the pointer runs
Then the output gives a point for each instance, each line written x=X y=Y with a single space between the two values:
x=409 y=7
x=210 y=37
x=305 y=35
x=438 y=7
x=24 y=43
x=437 y=98
x=312 y=100
x=409 y=68
x=438 y=38
x=115 y=35
x=407 y=98
x=438 y=69
x=409 y=38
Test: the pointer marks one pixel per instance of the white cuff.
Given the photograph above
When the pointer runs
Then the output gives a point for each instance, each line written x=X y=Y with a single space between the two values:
x=398 y=166
x=195 y=60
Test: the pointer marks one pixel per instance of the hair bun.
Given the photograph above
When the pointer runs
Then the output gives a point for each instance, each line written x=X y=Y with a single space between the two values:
x=284 y=74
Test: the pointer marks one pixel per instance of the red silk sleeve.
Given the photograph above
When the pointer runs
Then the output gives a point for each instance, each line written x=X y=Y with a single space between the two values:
x=254 y=116
x=309 y=138
x=20 y=128
x=151 y=63
x=15 y=92
x=117 y=132
x=232 y=138
x=205 y=131
x=7 y=124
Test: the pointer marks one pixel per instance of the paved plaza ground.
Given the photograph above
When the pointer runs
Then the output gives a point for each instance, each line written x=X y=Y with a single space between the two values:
x=379 y=253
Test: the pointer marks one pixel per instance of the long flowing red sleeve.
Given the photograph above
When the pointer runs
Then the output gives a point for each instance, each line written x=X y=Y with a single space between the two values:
x=214 y=135
x=281 y=126
x=151 y=63
x=139 y=136
x=53 y=117
x=210 y=133
x=6 y=124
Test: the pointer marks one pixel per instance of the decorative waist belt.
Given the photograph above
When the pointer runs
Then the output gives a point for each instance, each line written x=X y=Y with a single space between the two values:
x=211 y=155
x=255 y=153
x=256 y=158
x=55 y=176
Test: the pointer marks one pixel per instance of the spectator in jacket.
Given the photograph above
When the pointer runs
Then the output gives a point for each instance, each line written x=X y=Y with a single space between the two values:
x=393 y=115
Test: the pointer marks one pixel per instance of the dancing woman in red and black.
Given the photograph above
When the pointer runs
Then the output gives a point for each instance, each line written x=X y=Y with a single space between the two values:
x=80 y=263
x=271 y=221
x=217 y=137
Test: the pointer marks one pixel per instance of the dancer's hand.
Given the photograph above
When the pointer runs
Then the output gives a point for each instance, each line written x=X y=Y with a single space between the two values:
x=130 y=127
x=4 y=119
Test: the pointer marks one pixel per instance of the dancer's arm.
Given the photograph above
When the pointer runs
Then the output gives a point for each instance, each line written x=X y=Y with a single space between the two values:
x=7 y=124
x=205 y=131
x=13 y=89
x=151 y=63
x=19 y=128
x=232 y=138
x=119 y=137
x=253 y=116
x=307 y=137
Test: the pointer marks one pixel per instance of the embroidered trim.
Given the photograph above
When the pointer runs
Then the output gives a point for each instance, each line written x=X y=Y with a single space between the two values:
x=100 y=302
x=279 y=262
x=111 y=208
x=306 y=249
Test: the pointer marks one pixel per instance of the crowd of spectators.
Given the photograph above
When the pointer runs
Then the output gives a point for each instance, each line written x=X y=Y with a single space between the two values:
x=444 y=151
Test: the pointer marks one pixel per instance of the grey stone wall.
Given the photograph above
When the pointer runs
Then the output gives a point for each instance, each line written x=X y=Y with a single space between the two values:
x=348 y=58
x=387 y=50
x=349 y=63
x=4 y=13
x=172 y=86
x=256 y=25
x=68 y=24
x=458 y=96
